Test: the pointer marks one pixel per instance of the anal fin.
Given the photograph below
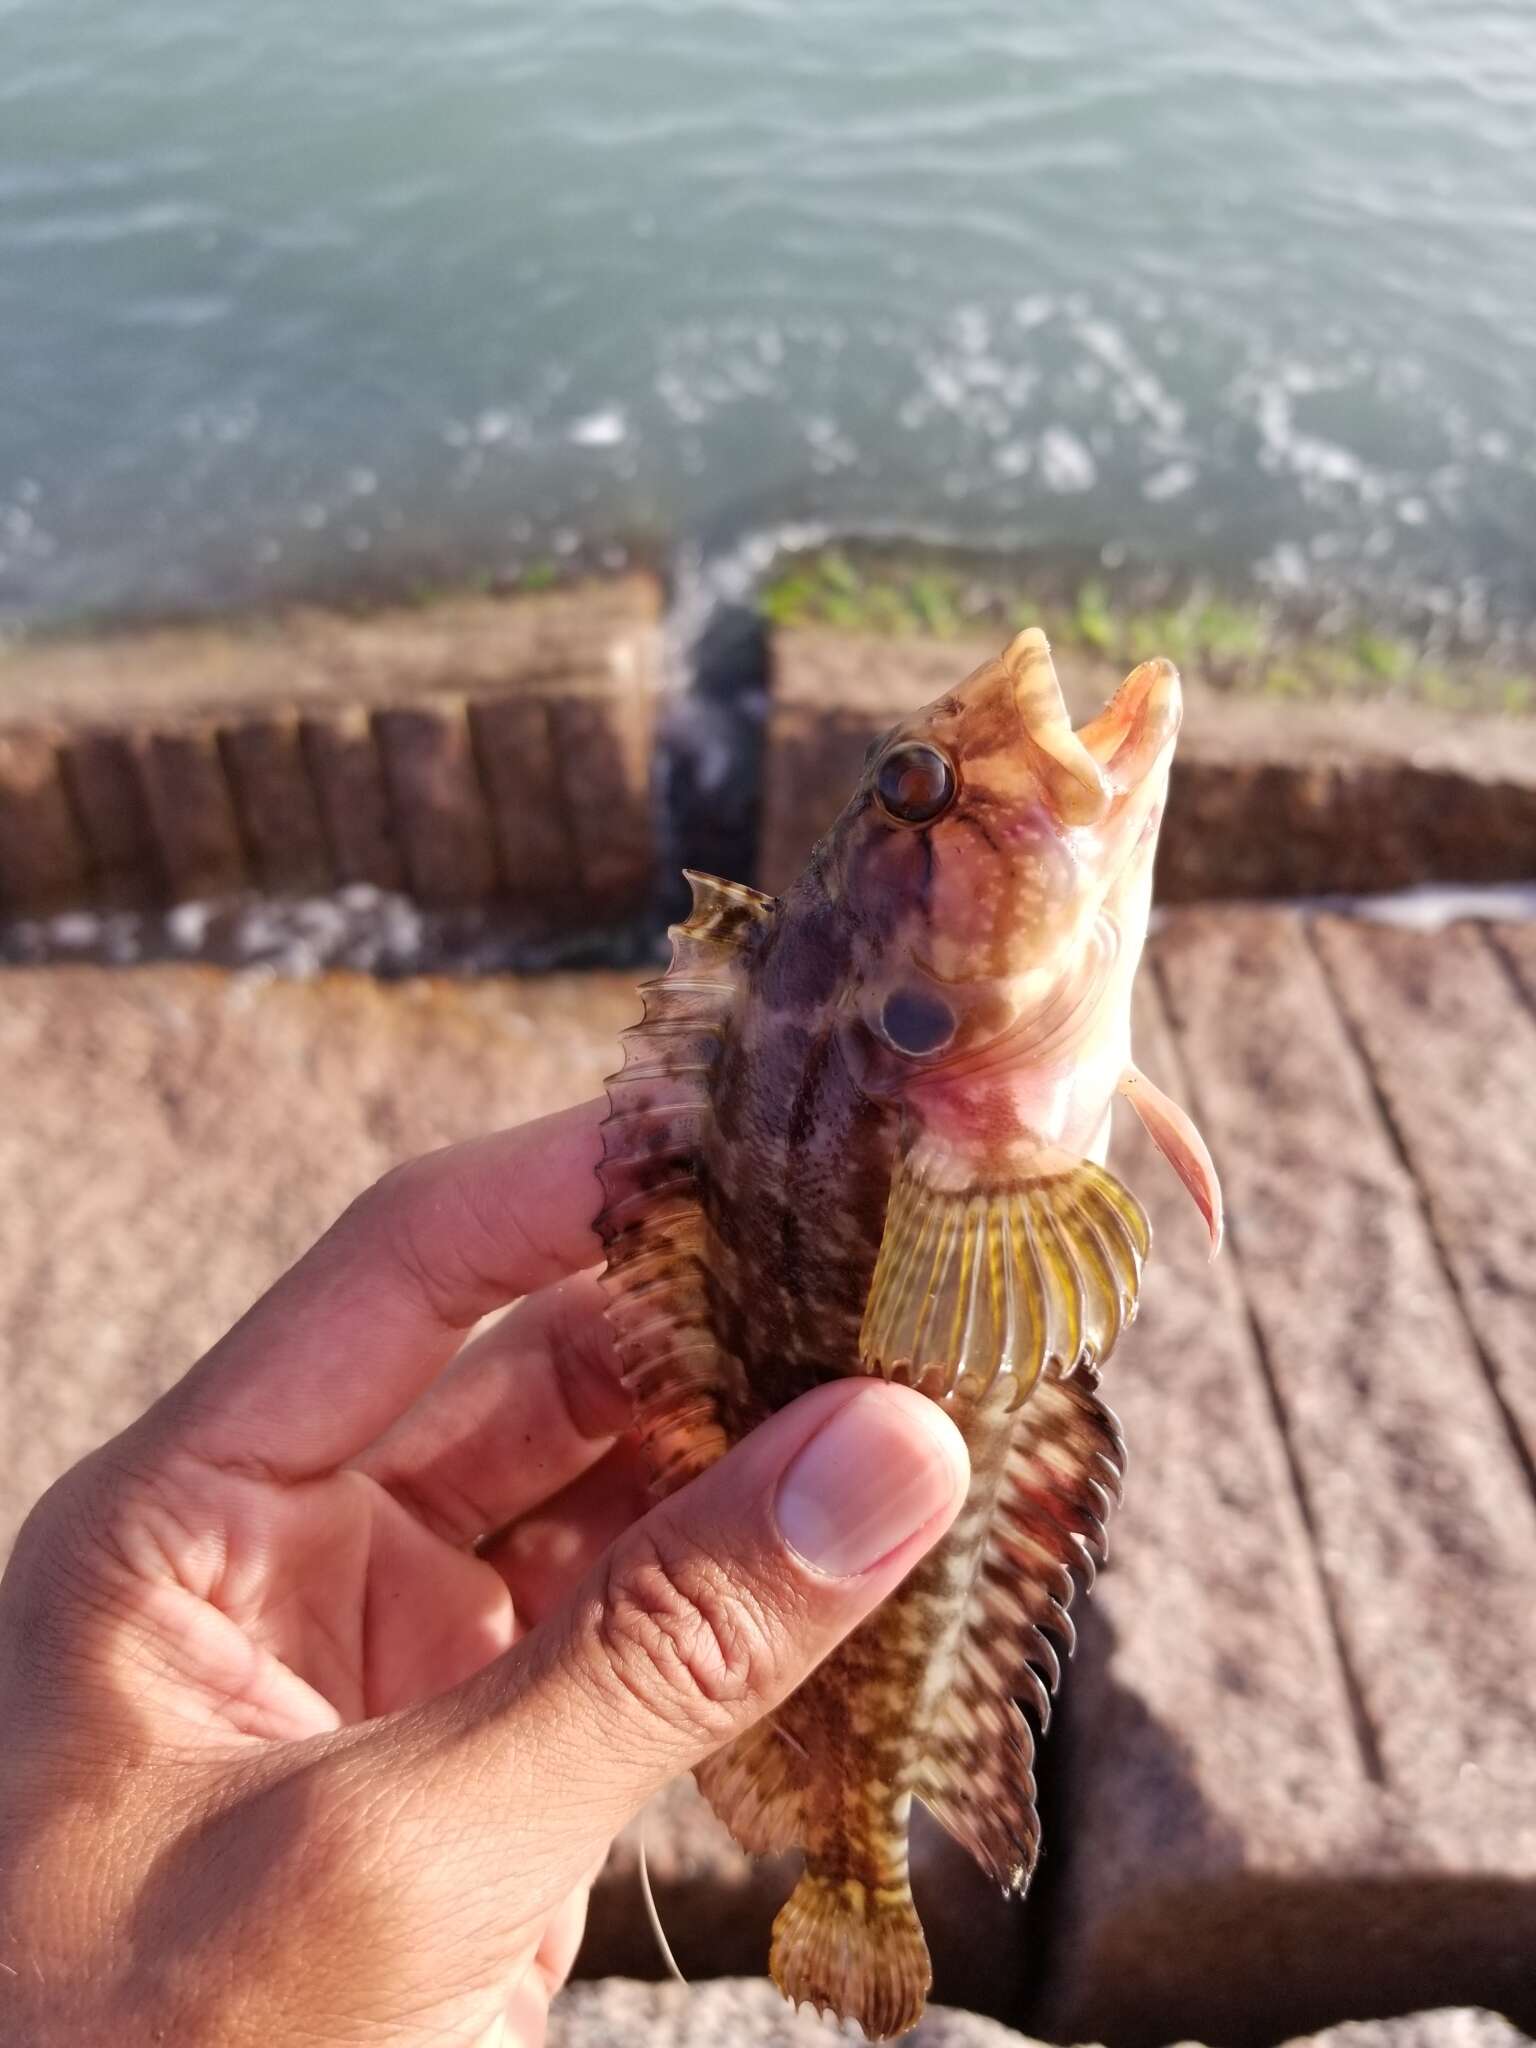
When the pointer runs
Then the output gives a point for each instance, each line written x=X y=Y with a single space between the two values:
x=755 y=1785
x=1062 y=1480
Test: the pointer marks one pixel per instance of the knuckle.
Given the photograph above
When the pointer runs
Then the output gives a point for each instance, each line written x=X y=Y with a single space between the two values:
x=432 y=1217
x=681 y=1638
x=581 y=1347
x=409 y=1213
x=66 y=1562
x=396 y=1190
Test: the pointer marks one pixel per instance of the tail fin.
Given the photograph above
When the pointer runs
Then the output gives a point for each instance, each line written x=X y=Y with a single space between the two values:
x=855 y=1952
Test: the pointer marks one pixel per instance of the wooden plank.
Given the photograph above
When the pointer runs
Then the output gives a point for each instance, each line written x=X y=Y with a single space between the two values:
x=603 y=759
x=347 y=771
x=106 y=782
x=1206 y=1723
x=45 y=861
x=441 y=817
x=1515 y=945
x=1452 y=1048
x=192 y=810
x=275 y=801
x=1425 y=1528
x=535 y=834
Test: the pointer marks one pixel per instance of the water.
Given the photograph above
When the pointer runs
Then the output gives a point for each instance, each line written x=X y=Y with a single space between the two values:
x=294 y=297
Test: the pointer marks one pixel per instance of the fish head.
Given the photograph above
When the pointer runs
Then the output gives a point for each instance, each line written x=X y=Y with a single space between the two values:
x=989 y=850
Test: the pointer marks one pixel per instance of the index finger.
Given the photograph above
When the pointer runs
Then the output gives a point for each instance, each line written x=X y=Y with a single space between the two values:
x=349 y=1337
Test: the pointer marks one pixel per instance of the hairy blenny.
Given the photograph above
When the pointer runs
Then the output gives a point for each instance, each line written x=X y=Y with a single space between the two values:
x=861 y=1130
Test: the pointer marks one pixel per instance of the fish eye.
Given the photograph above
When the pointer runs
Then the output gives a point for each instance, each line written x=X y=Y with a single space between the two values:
x=915 y=783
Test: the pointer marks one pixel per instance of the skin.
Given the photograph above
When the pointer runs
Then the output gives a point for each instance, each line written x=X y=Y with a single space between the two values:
x=326 y=1686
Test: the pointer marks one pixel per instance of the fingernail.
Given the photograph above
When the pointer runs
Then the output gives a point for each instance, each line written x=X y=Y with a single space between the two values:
x=874 y=1474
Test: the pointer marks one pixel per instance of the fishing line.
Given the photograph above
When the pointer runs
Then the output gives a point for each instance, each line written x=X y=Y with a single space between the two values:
x=652 y=1914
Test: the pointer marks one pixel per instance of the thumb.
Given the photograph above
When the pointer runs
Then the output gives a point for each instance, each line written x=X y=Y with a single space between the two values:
x=700 y=1620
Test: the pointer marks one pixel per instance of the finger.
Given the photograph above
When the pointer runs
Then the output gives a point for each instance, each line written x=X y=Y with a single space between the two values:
x=345 y=1342
x=525 y=1408
x=558 y=1950
x=525 y=2018
x=543 y=1557
x=697 y=1623
x=431 y=1616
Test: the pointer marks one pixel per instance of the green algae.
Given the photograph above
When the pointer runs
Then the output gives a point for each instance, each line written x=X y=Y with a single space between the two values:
x=1245 y=646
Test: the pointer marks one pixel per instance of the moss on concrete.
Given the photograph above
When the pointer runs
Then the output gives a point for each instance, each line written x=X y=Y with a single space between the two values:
x=1249 y=646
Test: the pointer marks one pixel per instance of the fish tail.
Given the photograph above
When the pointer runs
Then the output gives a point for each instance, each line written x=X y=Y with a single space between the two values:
x=854 y=1950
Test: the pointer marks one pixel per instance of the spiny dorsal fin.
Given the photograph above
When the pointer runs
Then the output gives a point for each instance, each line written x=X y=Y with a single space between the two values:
x=652 y=1221
x=1063 y=1479
x=725 y=913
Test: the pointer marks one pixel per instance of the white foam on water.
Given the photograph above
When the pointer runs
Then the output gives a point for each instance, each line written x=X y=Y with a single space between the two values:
x=605 y=428
x=1171 y=481
x=1065 y=462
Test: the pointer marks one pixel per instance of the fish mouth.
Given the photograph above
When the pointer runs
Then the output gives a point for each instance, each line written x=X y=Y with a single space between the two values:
x=1086 y=772
x=1073 y=780
x=1136 y=727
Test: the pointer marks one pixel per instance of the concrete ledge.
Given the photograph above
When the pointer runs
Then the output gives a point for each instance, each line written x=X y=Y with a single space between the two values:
x=473 y=749
x=1269 y=798
x=486 y=749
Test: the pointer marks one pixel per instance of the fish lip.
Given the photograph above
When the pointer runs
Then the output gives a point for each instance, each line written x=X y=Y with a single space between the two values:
x=1129 y=738
x=1072 y=782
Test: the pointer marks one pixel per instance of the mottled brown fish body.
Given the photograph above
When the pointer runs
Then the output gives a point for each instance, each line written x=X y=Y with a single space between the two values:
x=856 y=1133
x=866 y=1722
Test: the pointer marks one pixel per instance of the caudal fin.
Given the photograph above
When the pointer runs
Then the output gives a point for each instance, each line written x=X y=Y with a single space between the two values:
x=852 y=1951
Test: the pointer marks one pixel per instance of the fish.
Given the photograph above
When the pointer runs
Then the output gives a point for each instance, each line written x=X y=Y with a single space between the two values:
x=861 y=1129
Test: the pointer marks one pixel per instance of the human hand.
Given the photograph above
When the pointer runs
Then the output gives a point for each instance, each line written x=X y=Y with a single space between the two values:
x=325 y=1686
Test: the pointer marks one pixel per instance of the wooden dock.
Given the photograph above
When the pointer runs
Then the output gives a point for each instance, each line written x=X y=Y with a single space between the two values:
x=1293 y=1778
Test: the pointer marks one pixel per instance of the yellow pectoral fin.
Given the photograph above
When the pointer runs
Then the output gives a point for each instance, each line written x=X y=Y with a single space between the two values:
x=1173 y=1133
x=977 y=1282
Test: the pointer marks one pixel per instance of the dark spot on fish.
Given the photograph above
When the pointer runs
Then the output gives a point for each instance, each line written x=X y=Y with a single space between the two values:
x=728 y=1092
x=917 y=1021
x=992 y=724
x=976 y=818
x=802 y=1113
x=889 y=873
x=807 y=959
x=925 y=841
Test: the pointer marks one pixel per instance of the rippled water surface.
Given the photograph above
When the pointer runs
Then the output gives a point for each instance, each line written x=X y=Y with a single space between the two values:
x=293 y=292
